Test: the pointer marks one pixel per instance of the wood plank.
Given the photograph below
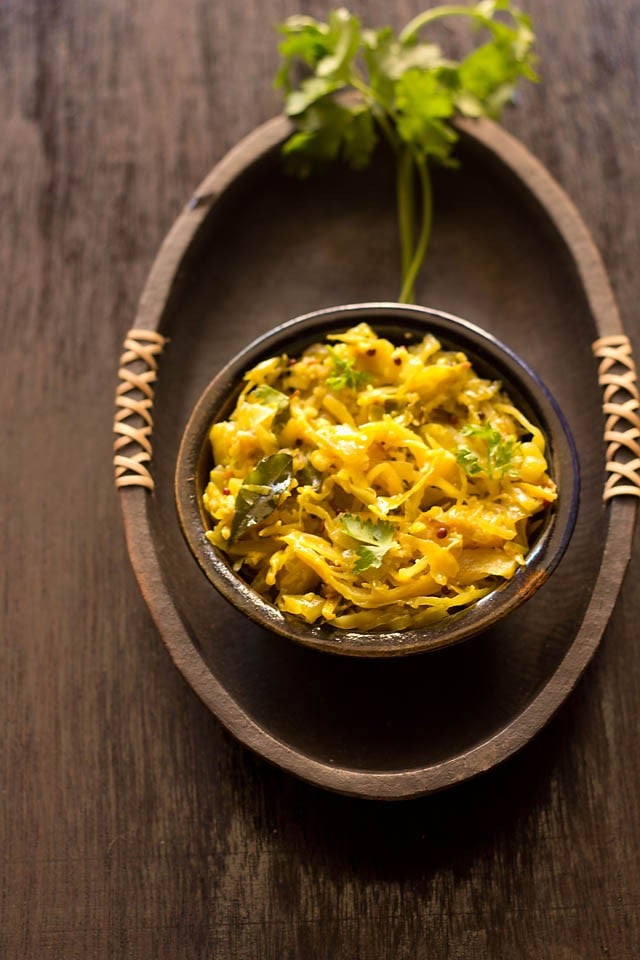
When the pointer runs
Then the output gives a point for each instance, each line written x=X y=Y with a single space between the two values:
x=131 y=826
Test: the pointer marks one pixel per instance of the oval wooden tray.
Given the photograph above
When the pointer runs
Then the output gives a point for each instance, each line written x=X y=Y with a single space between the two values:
x=253 y=248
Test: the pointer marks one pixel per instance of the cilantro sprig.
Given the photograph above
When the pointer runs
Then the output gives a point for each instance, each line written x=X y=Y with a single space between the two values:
x=376 y=539
x=501 y=455
x=344 y=373
x=401 y=88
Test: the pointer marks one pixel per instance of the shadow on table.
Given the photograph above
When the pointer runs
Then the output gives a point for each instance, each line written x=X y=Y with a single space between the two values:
x=401 y=840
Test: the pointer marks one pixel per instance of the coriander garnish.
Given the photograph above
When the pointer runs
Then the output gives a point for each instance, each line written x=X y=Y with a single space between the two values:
x=377 y=539
x=402 y=89
x=500 y=457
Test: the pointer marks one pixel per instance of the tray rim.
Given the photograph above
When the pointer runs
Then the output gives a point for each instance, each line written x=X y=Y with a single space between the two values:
x=621 y=511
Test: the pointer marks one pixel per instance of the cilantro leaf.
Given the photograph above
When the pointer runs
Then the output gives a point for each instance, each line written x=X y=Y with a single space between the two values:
x=359 y=138
x=344 y=373
x=401 y=88
x=344 y=39
x=304 y=41
x=488 y=76
x=468 y=461
x=501 y=454
x=423 y=103
x=326 y=48
x=328 y=130
x=307 y=94
x=377 y=539
x=368 y=557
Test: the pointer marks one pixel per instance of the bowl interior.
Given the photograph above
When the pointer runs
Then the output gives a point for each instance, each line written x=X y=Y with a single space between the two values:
x=400 y=324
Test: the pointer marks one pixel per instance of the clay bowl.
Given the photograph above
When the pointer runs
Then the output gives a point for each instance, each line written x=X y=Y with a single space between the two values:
x=400 y=324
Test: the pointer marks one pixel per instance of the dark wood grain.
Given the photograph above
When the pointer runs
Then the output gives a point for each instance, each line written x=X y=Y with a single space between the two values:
x=131 y=825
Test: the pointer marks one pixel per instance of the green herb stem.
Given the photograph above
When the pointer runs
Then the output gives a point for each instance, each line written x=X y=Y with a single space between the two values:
x=369 y=97
x=407 y=293
x=405 y=192
x=360 y=86
x=386 y=128
x=448 y=10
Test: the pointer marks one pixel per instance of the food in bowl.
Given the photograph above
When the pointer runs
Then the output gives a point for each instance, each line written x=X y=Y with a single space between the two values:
x=369 y=485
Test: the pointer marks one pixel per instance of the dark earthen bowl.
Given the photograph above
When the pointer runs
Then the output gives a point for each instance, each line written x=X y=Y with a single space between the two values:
x=400 y=324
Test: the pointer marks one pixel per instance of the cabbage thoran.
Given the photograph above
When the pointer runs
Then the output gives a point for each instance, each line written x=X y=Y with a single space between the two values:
x=370 y=485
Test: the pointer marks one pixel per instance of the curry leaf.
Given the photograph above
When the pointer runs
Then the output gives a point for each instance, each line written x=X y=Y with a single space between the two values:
x=275 y=399
x=260 y=492
x=308 y=476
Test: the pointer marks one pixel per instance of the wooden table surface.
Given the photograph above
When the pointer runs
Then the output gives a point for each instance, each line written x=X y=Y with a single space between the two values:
x=131 y=824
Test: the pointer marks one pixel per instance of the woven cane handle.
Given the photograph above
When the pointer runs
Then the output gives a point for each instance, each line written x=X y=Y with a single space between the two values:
x=617 y=376
x=133 y=422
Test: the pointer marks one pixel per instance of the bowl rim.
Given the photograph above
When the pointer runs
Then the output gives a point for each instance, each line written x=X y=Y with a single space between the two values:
x=215 y=402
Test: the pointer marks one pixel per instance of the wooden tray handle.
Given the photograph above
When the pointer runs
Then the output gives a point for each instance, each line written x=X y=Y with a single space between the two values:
x=133 y=422
x=138 y=372
x=617 y=377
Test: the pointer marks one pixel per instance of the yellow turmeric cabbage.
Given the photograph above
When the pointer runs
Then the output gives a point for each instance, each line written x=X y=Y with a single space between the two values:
x=373 y=486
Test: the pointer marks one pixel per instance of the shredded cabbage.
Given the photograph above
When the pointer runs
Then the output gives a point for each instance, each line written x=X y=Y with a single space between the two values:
x=405 y=484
